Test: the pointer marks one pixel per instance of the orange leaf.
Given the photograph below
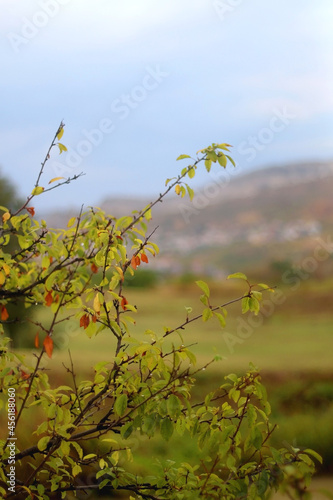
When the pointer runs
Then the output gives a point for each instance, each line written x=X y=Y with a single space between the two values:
x=137 y=260
x=24 y=375
x=48 y=345
x=133 y=262
x=37 y=340
x=144 y=258
x=84 y=321
x=4 y=313
x=124 y=302
x=119 y=238
x=94 y=318
x=31 y=211
x=51 y=259
x=6 y=216
x=49 y=299
x=94 y=268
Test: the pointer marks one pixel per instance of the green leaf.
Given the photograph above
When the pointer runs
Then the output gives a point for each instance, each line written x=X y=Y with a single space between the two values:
x=204 y=287
x=245 y=304
x=191 y=172
x=181 y=157
x=207 y=314
x=221 y=319
x=166 y=428
x=190 y=192
x=208 y=164
x=37 y=190
x=174 y=406
x=231 y=160
x=120 y=405
x=43 y=442
x=241 y=276
x=222 y=159
x=314 y=454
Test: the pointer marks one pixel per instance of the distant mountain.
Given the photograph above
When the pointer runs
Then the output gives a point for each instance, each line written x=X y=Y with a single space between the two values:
x=254 y=221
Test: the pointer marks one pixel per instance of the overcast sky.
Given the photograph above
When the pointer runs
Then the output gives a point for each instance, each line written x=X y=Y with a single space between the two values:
x=139 y=82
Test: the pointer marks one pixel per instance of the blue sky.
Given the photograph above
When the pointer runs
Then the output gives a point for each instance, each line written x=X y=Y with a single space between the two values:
x=139 y=82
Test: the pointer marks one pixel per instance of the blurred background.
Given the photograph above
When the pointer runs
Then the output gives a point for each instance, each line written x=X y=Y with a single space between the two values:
x=139 y=83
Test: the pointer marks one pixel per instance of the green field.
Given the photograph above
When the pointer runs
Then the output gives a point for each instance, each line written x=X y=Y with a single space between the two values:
x=292 y=347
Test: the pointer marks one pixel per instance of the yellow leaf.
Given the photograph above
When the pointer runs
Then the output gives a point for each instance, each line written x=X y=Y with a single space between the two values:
x=61 y=148
x=2 y=278
x=97 y=305
x=37 y=190
x=55 y=179
x=177 y=189
x=6 y=268
x=71 y=221
x=120 y=271
x=5 y=217
x=60 y=133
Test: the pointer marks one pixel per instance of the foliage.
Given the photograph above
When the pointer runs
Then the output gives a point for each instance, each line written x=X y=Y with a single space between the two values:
x=143 y=388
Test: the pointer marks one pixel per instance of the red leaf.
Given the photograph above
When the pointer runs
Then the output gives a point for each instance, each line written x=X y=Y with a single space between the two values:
x=24 y=375
x=51 y=259
x=94 y=318
x=31 y=211
x=48 y=345
x=49 y=299
x=144 y=258
x=37 y=340
x=84 y=321
x=94 y=268
x=124 y=302
x=4 y=313
x=137 y=260
x=133 y=262
x=119 y=238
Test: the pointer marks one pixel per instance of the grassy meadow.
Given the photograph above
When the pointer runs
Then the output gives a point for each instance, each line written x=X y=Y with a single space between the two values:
x=292 y=346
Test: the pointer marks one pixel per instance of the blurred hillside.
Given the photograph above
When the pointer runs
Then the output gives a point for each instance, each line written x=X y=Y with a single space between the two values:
x=266 y=221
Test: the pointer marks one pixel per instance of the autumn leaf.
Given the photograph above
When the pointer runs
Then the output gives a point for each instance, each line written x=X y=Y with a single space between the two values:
x=61 y=147
x=37 y=340
x=60 y=133
x=144 y=258
x=49 y=299
x=56 y=179
x=5 y=217
x=2 y=278
x=137 y=260
x=6 y=268
x=133 y=262
x=97 y=304
x=94 y=318
x=177 y=189
x=84 y=321
x=24 y=375
x=94 y=268
x=124 y=302
x=37 y=190
x=48 y=345
x=31 y=211
x=4 y=313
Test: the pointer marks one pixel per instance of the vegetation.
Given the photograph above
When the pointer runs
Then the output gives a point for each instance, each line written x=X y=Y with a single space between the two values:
x=85 y=433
